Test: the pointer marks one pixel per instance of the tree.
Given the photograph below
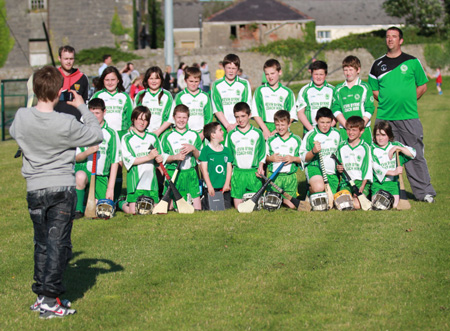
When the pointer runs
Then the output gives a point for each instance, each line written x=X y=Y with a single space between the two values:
x=156 y=24
x=6 y=42
x=423 y=14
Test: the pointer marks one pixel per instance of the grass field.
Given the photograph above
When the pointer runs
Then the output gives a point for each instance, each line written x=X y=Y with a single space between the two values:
x=282 y=270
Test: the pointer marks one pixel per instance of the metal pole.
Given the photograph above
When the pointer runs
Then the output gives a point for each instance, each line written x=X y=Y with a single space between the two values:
x=3 y=112
x=168 y=32
x=200 y=25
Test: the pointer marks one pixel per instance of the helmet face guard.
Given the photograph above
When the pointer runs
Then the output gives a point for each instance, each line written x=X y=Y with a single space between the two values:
x=259 y=203
x=272 y=201
x=319 y=201
x=382 y=200
x=105 y=208
x=343 y=200
x=144 y=205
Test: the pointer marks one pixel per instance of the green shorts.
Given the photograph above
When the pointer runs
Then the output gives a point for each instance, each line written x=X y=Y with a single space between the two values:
x=101 y=184
x=346 y=186
x=287 y=182
x=366 y=136
x=244 y=181
x=132 y=197
x=391 y=187
x=313 y=170
x=186 y=182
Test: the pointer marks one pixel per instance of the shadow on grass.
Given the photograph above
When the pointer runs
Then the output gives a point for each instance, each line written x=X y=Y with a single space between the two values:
x=81 y=274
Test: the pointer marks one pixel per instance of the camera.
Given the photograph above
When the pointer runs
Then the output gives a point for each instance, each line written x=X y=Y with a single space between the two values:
x=66 y=96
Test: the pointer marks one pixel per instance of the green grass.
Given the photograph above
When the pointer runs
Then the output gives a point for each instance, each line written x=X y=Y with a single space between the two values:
x=281 y=270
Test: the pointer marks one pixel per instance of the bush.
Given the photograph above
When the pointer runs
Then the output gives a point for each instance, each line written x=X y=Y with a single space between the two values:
x=437 y=56
x=94 y=55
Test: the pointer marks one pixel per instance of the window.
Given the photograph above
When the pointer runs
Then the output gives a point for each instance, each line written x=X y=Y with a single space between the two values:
x=38 y=4
x=323 y=36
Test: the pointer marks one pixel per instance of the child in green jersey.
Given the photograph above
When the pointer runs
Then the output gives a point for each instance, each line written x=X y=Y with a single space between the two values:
x=107 y=161
x=356 y=158
x=140 y=160
x=314 y=95
x=385 y=167
x=183 y=145
x=198 y=102
x=353 y=97
x=216 y=163
x=271 y=97
x=323 y=139
x=249 y=153
x=284 y=146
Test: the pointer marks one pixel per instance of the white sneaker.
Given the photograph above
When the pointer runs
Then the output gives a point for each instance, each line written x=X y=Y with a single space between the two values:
x=429 y=198
x=58 y=310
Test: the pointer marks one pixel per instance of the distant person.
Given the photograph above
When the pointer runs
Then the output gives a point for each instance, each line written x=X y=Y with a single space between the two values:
x=74 y=79
x=168 y=79
x=136 y=86
x=438 y=78
x=241 y=74
x=107 y=60
x=398 y=81
x=220 y=72
x=48 y=140
x=206 y=77
x=181 y=84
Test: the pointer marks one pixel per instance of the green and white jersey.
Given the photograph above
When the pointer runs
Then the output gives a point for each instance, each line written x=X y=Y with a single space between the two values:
x=172 y=142
x=217 y=164
x=267 y=101
x=107 y=154
x=357 y=161
x=200 y=108
x=249 y=148
x=313 y=98
x=354 y=101
x=142 y=176
x=118 y=109
x=396 y=79
x=382 y=163
x=290 y=146
x=329 y=143
x=161 y=110
x=225 y=95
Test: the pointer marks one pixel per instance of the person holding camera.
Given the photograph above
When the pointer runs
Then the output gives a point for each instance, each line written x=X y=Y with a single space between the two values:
x=74 y=79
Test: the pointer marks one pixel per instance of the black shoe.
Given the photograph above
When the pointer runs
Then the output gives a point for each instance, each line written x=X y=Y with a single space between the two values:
x=78 y=214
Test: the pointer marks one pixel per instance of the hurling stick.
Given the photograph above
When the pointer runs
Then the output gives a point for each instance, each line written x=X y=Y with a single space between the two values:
x=163 y=206
x=403 y=203
x=325 y=181
x=363 y=201
x=182 y=205
x=249 y=205
x=90 y=211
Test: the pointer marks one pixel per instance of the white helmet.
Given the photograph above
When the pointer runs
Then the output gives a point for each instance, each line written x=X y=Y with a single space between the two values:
x=319 y=201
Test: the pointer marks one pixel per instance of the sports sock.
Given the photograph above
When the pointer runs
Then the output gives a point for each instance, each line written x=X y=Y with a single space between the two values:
x=80 y=200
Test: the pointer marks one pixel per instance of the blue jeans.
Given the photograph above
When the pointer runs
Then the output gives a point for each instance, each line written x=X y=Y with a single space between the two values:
x=52 y=211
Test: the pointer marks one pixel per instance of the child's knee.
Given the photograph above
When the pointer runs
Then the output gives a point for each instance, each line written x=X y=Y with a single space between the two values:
x=81 y=179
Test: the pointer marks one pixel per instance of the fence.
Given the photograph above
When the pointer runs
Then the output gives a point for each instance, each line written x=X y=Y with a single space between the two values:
x=14 y=95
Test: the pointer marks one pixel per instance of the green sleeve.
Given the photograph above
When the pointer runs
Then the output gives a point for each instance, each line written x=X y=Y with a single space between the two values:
x=207 y=111
x=216 y=99
x=421 y=77
x=369 y=102
x=168 y=108
x=366 y=165
x=336 y=105
x=126 y=115
x=261 y=148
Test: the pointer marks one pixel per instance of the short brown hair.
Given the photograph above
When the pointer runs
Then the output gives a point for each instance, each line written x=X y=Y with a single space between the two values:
x=272 y=63
x=192 y=72
x=242 y=106
x=282 y=115
x=355 y=122
x=47 y=82
x=232 y=58
x=181 y=109
x=351 y=61
x=66 y=48
x=209 y=129
x=138 y=111
x=386 y=127
x=318 y=65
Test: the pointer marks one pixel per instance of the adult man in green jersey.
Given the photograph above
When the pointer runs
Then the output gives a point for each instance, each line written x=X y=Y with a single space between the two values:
x=398 y=81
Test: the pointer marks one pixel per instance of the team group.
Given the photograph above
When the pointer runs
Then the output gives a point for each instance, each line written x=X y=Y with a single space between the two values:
x=160 y=129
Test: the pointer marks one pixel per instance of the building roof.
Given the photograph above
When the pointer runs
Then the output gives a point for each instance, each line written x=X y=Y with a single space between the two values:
x=345 y=12
x=258 y=11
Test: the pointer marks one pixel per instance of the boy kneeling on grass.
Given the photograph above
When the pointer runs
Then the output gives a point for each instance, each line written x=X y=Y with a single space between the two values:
x=284 y=146
x=107 y=160
x=356 y=158
x=183 y=145
x=140 y=160
x=216 y=163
